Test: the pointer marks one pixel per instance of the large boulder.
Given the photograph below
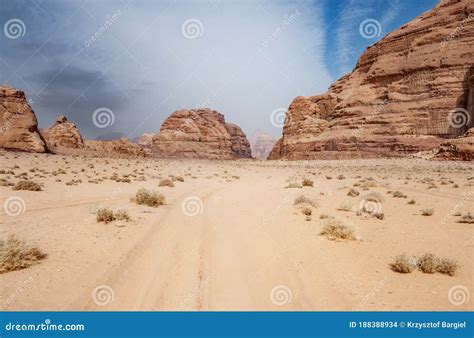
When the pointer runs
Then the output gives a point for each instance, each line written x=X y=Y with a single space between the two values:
x=62 y=134
x=400 y=97
x=18 y=124
x=199 y=133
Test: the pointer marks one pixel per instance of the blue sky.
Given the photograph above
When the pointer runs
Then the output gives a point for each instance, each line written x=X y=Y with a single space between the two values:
x=142 y=60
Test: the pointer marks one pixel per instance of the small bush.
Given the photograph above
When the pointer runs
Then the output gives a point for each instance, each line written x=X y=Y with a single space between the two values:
x=411 y=202
x=447 y=266
x=353 y=193
x=304 y=200
x=179 y=178
x=122 y=215
x=105 y=215
x=16 y=255
x=335 y=229
x=403 y=264
x=149 y=198
x=399 y=194
x=467 y=218
x=27 y=185
x=345 y=206
x=166 y=183
x=307 y=211
x=427 y=263
x=307 y=183
x=427 y=212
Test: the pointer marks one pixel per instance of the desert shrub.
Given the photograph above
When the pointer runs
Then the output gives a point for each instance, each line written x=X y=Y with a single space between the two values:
x=293 y=185
x=149 y=198
x=341 y=177
x=307 y=183
x=399 y=194
x=336 y=229
x=179 y=178
x=304 y=200
x=427 y=263
x=325 y=216
x=411 y=202
x=307 y=211
x=427 y=212
x=467 y=218
x=104 y=215
x=27 y=185
x=16 y=254
x=403 y=264
x=353 y=193
x=166 y=183
x=122 y=215
x=345 y=206
x=446 y=266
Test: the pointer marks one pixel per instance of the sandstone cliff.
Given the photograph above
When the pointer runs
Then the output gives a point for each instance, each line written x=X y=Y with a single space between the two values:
x=409 y=92
x=18 y=124
x=199 y=133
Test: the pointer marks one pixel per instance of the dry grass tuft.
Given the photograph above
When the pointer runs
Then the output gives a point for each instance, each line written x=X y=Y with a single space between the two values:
x=307 y=183
x=16 y=255
x=304 y=200
x=166 y=183
x=336 y=229
x=104 y=215
x=467 y=218
x=149 y=198
x=353 y=193
x=27 y=185
x=403 y=264
x=447 y=266
x=427 y=212
x=427 y=263
x=293 y=185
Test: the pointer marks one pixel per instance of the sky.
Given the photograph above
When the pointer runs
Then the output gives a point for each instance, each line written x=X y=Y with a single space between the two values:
x=120 y=67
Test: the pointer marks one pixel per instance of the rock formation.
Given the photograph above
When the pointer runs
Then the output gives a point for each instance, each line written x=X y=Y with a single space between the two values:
x=403 y=96
x=115 y=148
x=62 y=134
x=18 y=124
x=261 y=144
x=200 y=133
x=145 y=140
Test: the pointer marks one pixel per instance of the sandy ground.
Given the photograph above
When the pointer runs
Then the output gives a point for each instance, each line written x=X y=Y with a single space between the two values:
x=230 y=238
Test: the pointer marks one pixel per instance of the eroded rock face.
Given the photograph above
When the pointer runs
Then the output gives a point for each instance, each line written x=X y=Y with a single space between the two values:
x=199 y=133
x=62 y=134
x=18 y=124
x=398 y=99
x=261 y=144
x=117 y=148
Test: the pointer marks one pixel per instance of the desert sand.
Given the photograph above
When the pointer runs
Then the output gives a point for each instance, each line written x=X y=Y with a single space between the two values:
x=229 y=237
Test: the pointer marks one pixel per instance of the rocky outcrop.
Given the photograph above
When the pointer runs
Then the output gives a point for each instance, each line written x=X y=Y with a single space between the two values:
x=199 y=133
x=18 y=124
x=261 y=144
x=401 y=98
x=62 y=134
x=460 y=149
x=145 y=140
x=115 y=148
x=239 y=144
